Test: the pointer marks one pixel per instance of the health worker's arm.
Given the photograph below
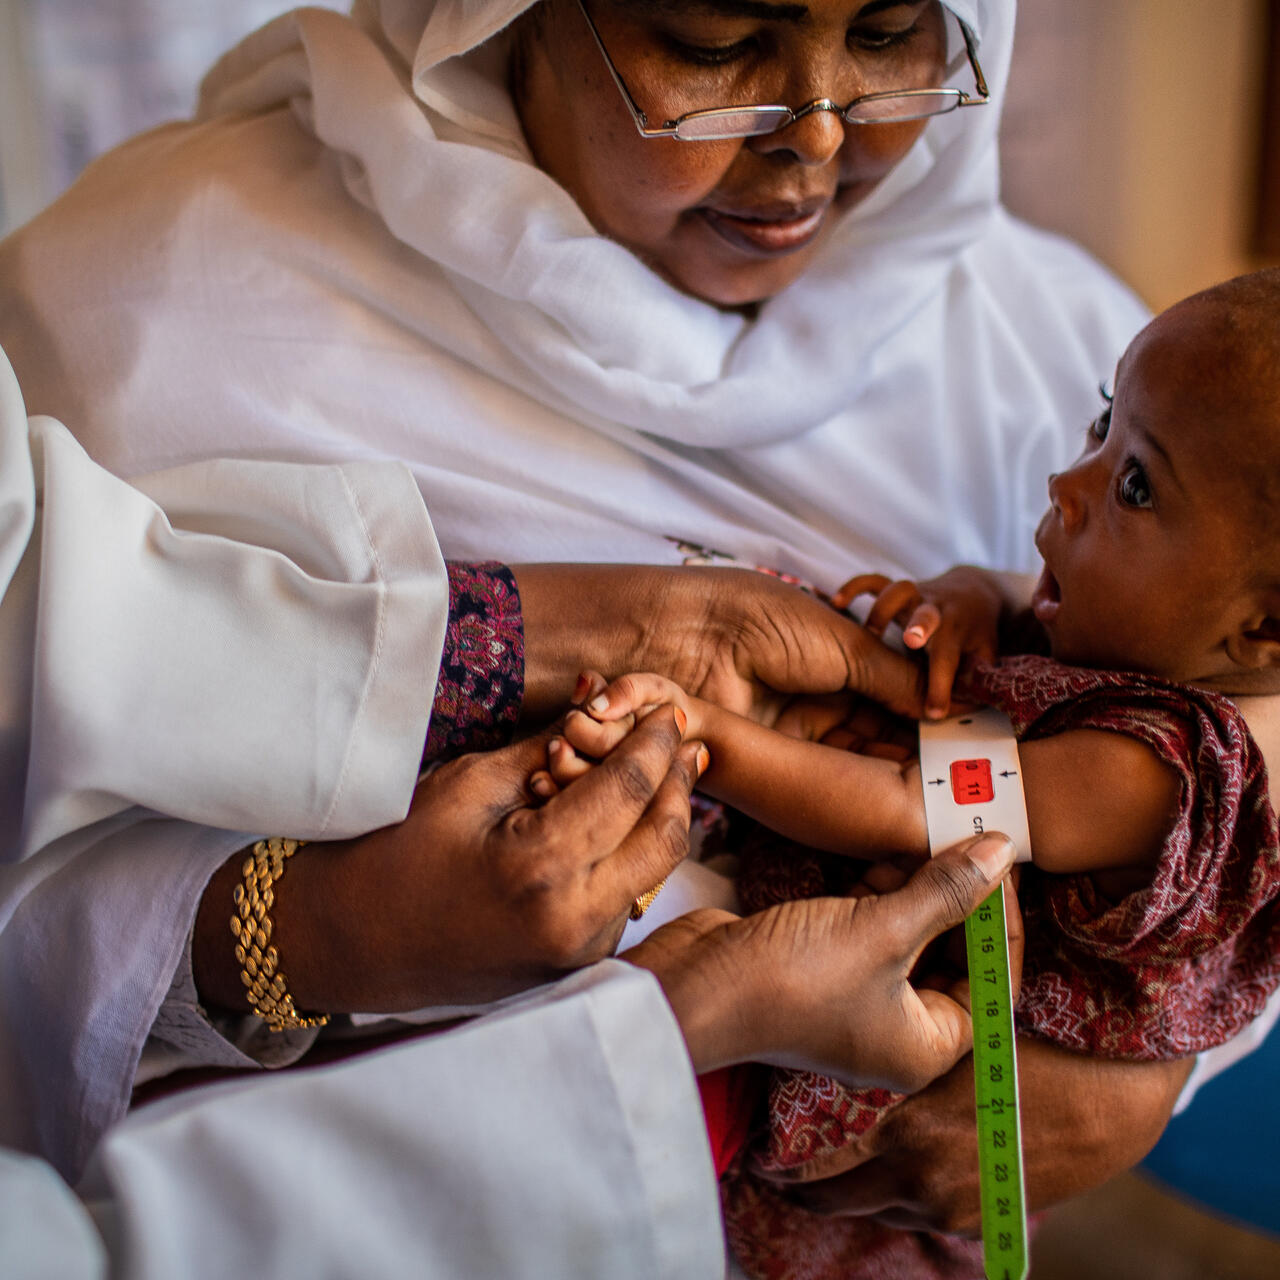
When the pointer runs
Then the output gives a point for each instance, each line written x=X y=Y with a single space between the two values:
x=475 y=1153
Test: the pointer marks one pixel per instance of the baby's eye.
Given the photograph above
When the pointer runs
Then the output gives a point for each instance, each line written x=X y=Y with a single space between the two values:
x=1133 y=487
x=1100 y=426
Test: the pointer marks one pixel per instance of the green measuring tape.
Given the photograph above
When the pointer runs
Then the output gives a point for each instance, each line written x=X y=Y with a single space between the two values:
x=972 y=783
x=995 y=1079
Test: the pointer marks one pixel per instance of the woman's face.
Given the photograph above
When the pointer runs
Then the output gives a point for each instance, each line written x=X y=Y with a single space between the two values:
x=732 y=221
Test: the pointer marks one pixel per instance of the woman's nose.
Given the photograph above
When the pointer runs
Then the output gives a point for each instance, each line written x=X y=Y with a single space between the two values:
x=1067 y=499
x=814 y=138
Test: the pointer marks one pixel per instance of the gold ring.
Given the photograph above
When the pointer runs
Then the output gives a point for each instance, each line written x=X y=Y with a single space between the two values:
x=645 y=900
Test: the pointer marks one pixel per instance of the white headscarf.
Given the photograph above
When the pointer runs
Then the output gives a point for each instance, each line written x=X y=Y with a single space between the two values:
x=641 y=356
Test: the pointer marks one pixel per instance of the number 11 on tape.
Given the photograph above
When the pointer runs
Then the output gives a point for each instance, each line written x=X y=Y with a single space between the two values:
x=972 y=783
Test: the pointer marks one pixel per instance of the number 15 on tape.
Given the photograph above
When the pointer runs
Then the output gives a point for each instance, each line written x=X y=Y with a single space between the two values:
x=972 y=783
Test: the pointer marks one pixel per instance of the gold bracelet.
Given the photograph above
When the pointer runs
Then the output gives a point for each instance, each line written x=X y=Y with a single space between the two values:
x=251 y=924
x=645 y=900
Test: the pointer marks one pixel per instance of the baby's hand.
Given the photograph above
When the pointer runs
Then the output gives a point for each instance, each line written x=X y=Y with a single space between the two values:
x=955 y=616
x=612 y=711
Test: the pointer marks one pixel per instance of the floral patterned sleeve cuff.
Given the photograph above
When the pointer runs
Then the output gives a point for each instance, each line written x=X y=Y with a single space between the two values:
x=481 y=684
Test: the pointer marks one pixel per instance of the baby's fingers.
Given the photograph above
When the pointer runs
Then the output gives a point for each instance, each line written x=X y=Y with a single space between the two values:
x=895 y=603
x=943 y=661
x=543 y=785
x=865 y=584
x=921 y=626
x=590 y=683
x=564 y=764
x=634 y=694
x=593 y=737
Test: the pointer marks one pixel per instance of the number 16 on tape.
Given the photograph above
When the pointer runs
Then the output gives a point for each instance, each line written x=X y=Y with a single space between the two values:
x=972 y=783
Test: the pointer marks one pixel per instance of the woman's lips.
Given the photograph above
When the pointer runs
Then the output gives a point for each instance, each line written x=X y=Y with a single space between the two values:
x=768 y=235
x=1046 y=599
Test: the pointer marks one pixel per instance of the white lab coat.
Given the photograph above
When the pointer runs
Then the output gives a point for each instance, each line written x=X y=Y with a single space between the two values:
x=554 y=1140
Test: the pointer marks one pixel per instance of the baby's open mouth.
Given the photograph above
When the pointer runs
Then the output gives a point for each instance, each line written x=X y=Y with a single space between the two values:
x=1046 y=598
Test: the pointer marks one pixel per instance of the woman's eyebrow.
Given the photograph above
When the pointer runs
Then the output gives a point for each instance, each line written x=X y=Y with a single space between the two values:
x=761 y=9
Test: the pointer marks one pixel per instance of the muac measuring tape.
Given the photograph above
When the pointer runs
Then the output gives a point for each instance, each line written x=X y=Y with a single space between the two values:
x=972 y=783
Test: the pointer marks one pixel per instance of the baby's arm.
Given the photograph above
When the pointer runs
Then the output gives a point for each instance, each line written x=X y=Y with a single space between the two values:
x=818 y=795
x=1095 y=800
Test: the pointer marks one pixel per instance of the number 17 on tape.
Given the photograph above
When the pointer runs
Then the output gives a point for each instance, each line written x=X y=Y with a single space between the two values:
x=972 y=783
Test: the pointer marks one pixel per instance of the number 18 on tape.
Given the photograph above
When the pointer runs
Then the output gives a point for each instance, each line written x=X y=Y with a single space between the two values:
x=972 y=783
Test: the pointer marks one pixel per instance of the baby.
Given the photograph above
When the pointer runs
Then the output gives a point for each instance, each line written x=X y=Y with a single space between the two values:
x=1153 y=909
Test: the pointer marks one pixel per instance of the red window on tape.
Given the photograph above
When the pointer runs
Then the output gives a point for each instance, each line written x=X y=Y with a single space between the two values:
x=971 y=781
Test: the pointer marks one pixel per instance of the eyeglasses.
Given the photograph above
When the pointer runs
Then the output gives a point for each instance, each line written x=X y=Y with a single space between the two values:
x=897 y=106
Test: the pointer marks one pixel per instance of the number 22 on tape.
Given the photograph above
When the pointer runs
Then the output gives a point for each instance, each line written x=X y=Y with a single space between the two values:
x=972 y=783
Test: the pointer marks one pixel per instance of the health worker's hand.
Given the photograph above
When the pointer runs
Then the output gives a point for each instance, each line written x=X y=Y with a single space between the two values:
x=734 y=637
x=1084 y=1120
x=482 y=890
x=823 y=984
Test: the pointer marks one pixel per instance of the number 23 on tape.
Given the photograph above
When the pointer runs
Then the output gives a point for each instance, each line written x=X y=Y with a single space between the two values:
x=972 y=783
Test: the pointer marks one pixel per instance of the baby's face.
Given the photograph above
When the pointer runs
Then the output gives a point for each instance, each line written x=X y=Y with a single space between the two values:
x=1147 y=540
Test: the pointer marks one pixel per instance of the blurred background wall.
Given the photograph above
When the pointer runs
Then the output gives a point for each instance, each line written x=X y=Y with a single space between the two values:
x=1132 y=125
x=1135 y=126
x=78 y=76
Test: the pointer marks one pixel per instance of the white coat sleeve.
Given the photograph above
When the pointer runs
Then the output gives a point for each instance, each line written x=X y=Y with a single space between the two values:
x=45 y=1232
x=249 y=647
x=561 y=1138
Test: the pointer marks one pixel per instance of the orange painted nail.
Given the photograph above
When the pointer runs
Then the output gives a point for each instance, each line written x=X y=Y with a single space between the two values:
x=682 y=720
x=704 y=759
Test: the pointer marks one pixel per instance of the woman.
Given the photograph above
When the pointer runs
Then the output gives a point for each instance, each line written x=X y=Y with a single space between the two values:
x=821 y=349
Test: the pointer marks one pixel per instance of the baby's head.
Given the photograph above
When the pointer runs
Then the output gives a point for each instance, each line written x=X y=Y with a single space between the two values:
x=1162 y=542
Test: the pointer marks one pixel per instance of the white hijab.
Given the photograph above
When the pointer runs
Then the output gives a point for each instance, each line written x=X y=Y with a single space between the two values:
x=640 y=355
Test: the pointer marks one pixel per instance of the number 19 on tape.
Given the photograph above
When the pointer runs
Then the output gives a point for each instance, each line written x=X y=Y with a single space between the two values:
x=972 y=783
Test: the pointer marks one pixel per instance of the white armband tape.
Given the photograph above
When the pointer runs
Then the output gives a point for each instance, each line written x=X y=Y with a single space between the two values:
x=972 y=780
